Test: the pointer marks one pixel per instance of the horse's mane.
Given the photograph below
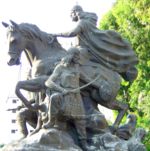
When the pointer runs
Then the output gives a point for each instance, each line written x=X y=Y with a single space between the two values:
x=31 y=31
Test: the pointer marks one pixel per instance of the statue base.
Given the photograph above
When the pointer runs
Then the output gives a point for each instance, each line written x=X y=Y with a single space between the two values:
x=57 y=140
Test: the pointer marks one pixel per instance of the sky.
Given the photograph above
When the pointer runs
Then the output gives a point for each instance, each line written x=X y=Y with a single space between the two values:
x=51 y=16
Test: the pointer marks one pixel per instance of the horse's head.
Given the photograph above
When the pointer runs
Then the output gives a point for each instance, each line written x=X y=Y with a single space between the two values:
x=15 y=42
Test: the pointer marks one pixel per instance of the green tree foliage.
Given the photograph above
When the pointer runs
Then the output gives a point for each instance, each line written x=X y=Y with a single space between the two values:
x=131 y=18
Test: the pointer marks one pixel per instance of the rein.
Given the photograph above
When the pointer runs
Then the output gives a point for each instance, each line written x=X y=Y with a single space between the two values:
x=28 y=58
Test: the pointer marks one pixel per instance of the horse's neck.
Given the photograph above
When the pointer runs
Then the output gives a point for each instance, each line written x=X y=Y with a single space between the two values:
x=38 y=51
x=29 y=52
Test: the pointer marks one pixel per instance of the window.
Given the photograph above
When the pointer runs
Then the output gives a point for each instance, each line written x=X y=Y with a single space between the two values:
x=13 y=121
x=13 y=131
x=14 y=101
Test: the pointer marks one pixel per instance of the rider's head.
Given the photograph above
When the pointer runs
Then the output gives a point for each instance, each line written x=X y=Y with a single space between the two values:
x=77 y=8
x=75 y=11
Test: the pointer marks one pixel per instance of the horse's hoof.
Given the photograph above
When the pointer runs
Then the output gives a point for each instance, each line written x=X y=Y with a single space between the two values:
x=113 y=129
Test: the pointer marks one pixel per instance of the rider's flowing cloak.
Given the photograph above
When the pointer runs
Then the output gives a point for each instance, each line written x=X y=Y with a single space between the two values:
x=108 y=48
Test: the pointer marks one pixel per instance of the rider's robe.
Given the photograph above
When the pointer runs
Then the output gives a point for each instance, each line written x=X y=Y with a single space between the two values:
x=107 y=47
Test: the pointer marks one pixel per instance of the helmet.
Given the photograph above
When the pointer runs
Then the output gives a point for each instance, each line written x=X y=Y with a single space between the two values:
x=77 y=8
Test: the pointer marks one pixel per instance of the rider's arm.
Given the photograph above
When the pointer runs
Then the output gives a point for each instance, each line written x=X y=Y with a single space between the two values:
x=74 y=32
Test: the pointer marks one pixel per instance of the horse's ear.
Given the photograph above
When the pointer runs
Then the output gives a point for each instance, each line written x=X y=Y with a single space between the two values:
x=13 y=23
x=5 y=24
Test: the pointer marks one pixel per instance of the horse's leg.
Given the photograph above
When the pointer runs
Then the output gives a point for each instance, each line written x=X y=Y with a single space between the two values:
x=114 y=105
x=121 y=108
x=33 y=85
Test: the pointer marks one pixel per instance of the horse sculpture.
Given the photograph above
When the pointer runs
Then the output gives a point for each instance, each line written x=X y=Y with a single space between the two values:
x=43 y=52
